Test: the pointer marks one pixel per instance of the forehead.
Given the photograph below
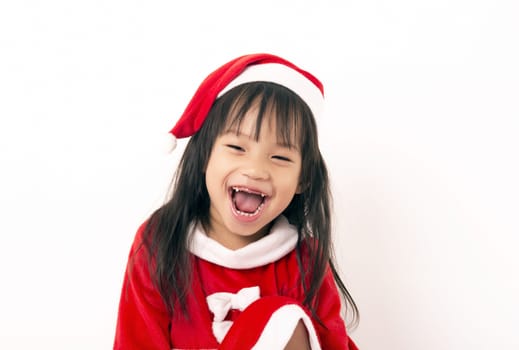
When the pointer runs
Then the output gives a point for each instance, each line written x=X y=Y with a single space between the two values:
x=265 y=119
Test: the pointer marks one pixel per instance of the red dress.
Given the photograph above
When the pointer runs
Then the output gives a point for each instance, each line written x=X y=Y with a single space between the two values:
x=250 y=298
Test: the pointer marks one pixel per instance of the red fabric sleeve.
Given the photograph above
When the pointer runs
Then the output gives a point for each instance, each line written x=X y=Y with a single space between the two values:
x=333 y=334
x=143 y=320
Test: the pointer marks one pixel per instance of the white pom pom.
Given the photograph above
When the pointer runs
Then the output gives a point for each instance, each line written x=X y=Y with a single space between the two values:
x=170 y=143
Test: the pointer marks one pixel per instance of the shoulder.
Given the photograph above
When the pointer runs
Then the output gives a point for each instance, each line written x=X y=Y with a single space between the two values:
x=140 y=237
x=139 y=250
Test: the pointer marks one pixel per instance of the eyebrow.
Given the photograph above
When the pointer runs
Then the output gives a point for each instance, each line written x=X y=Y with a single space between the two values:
x=251 y=137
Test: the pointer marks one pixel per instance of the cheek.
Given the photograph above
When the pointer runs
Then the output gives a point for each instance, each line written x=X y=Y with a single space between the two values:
x=210 y=175
x=213 y=188
x=290 y=182
x=216 y=172
x=211 y=166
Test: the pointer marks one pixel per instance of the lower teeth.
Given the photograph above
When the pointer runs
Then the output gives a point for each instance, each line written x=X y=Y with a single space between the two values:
x=249 y=214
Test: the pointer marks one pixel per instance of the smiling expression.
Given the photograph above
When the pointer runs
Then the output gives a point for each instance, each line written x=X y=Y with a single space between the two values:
x=250 y=180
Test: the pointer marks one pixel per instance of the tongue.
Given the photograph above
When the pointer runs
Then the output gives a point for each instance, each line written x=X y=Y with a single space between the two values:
x=247 y=202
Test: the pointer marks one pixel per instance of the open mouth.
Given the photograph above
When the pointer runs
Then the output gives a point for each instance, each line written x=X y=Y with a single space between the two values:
x=247 y=202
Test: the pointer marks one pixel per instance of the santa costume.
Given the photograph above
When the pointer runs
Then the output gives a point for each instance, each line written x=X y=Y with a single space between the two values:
x=249 y=298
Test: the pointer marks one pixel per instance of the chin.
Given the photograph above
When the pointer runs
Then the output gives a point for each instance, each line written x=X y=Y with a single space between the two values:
x=249 y=229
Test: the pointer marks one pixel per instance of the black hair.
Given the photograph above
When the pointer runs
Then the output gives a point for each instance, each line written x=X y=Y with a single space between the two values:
x=166 y=235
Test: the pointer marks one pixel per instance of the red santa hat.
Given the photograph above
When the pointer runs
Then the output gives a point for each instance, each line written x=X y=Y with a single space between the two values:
x=244 y=69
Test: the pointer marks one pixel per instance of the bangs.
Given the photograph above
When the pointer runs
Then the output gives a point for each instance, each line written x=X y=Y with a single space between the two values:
x=269 y=100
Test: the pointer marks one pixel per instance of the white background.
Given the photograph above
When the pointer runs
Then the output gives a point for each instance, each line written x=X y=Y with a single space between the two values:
x=420 y=137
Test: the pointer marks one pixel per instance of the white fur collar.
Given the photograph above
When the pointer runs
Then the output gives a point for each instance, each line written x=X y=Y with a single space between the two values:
x=279 y=242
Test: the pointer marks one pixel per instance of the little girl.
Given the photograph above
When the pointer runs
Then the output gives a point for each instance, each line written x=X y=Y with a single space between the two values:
x=240 y=256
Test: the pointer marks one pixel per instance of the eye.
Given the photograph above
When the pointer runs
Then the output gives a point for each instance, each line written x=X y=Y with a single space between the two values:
x=235 y=147
x=284 y=159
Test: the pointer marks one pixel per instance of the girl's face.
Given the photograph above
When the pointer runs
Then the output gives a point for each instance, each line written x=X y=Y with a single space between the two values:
x=250 y=182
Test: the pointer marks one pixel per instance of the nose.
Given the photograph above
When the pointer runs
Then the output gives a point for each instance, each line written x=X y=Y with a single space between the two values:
x=255 y=171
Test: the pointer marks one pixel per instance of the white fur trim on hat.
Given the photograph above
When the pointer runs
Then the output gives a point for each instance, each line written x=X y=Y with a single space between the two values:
x=285 y=76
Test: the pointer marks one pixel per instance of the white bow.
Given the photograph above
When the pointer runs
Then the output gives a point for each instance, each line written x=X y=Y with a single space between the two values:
x=221 y=303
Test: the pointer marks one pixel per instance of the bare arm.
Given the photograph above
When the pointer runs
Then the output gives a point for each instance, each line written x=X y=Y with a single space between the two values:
x=299 y=339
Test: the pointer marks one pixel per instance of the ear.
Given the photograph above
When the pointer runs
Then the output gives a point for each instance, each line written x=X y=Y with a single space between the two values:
x=301 y=188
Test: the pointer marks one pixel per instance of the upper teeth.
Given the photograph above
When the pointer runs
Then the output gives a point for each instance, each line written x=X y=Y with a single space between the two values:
x=236 y=189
